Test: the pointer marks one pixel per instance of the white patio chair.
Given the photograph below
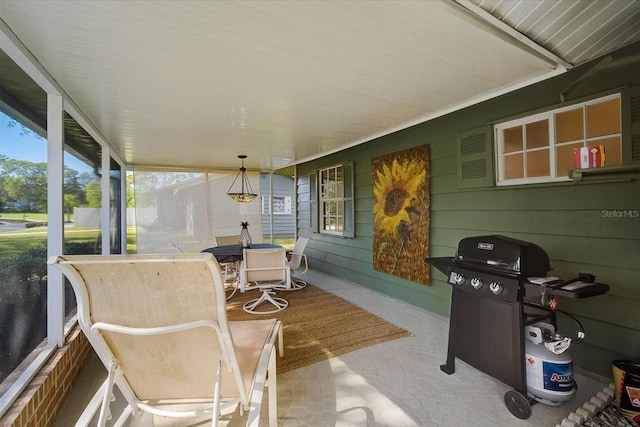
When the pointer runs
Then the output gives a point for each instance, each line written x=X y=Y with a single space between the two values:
x=229 y=269
x=267 y=268
x=226 y=240
x=159 y=325
x=296 y=257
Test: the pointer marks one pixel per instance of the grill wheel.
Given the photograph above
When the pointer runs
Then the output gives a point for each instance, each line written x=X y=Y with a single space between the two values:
x=517 y=404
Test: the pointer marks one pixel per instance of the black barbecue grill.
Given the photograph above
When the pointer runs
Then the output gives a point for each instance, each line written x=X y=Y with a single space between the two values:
x=493 y=279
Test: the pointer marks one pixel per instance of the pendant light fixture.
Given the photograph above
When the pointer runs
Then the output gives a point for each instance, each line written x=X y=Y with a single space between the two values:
x=246 y=193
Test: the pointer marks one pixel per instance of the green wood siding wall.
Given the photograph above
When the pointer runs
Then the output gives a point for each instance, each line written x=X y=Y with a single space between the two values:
x=567 y=220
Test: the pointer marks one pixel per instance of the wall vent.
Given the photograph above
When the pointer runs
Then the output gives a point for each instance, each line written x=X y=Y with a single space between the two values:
x=474 y=169
x=635 y=124
x=635 y=148
x=473 y=144
x=475 y=158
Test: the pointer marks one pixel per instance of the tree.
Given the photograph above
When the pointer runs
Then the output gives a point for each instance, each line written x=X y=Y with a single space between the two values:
x=93 y=194
x=131 y=195
x=72 y=184
x=26 y=183
x=70 y=201
x=3 y=184
x=83 y=179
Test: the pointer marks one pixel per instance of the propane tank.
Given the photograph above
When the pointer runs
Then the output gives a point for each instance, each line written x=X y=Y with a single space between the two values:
x=549 y=366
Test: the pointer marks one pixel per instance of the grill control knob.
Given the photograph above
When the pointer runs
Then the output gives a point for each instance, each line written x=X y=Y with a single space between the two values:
x=496 y=288
x=476 y=282
x=458 y=278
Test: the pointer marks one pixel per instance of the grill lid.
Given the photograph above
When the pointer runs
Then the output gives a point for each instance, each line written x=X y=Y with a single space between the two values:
x=504 y=255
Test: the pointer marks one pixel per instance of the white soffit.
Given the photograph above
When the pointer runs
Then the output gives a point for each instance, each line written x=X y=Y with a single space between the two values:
x=178 y=83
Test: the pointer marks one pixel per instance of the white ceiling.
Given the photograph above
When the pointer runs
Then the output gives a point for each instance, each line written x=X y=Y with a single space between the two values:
x=195 y=83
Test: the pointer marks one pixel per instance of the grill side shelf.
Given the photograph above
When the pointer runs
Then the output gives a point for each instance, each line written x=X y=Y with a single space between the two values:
x=576 y=289
x=443 y=264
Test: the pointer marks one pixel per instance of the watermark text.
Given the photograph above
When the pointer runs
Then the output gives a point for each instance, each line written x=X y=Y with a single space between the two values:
x=619 y=213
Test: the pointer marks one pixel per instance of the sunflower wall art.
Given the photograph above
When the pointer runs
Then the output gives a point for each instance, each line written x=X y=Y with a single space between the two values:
x=401 y=214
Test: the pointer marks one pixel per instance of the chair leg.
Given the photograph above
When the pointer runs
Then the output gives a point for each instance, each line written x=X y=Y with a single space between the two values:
x=273 y=391
x=105 y=410
x=233 y=287
x=216 y=396
x=278 y=303
x=297 y=284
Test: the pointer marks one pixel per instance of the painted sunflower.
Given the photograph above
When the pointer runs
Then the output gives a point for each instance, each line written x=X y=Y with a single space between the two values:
x=395 y=187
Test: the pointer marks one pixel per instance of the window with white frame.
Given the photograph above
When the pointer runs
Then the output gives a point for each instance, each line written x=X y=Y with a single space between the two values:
x=281 y=205
x=332 y=200
x=543 y=147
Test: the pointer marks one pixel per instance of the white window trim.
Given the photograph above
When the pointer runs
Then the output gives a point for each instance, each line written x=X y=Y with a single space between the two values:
x=550 y=116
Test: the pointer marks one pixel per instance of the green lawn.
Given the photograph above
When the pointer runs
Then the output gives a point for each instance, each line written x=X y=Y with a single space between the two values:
x=20 y=241
x=26 y=216
x=17 y=242
x=285 y=242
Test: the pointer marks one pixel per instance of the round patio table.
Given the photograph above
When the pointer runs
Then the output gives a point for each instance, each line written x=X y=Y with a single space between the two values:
x=233 y=253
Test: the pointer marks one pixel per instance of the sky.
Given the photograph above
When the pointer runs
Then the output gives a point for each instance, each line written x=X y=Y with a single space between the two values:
x=30 y=147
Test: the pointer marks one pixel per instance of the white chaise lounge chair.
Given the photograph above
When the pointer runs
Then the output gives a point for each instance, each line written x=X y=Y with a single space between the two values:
x=159 y=325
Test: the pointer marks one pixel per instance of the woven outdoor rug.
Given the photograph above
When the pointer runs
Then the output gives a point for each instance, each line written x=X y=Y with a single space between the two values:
x=318 y=325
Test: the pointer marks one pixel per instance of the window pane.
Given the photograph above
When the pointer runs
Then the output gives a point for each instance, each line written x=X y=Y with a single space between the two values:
x=603 y=118
x=569 y=126
x=538 y=163
x=278 y=205
x=328 y=224
x=612 y=150
x=23 y=240
x=327 y=189
x=513 y=166
x=323 y=183
x=538 y=134
x=182 y=211
x=512 y=139
x=565 y=158
x=82 y=191
x=82 y=198
x=331 y=189
x=115 y=207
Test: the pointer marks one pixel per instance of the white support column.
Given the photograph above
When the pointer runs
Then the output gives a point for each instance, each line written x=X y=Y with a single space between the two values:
x=105 y=211
x=123 y=209
x=271 y=206
x=295 y=203
x=55 y=217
